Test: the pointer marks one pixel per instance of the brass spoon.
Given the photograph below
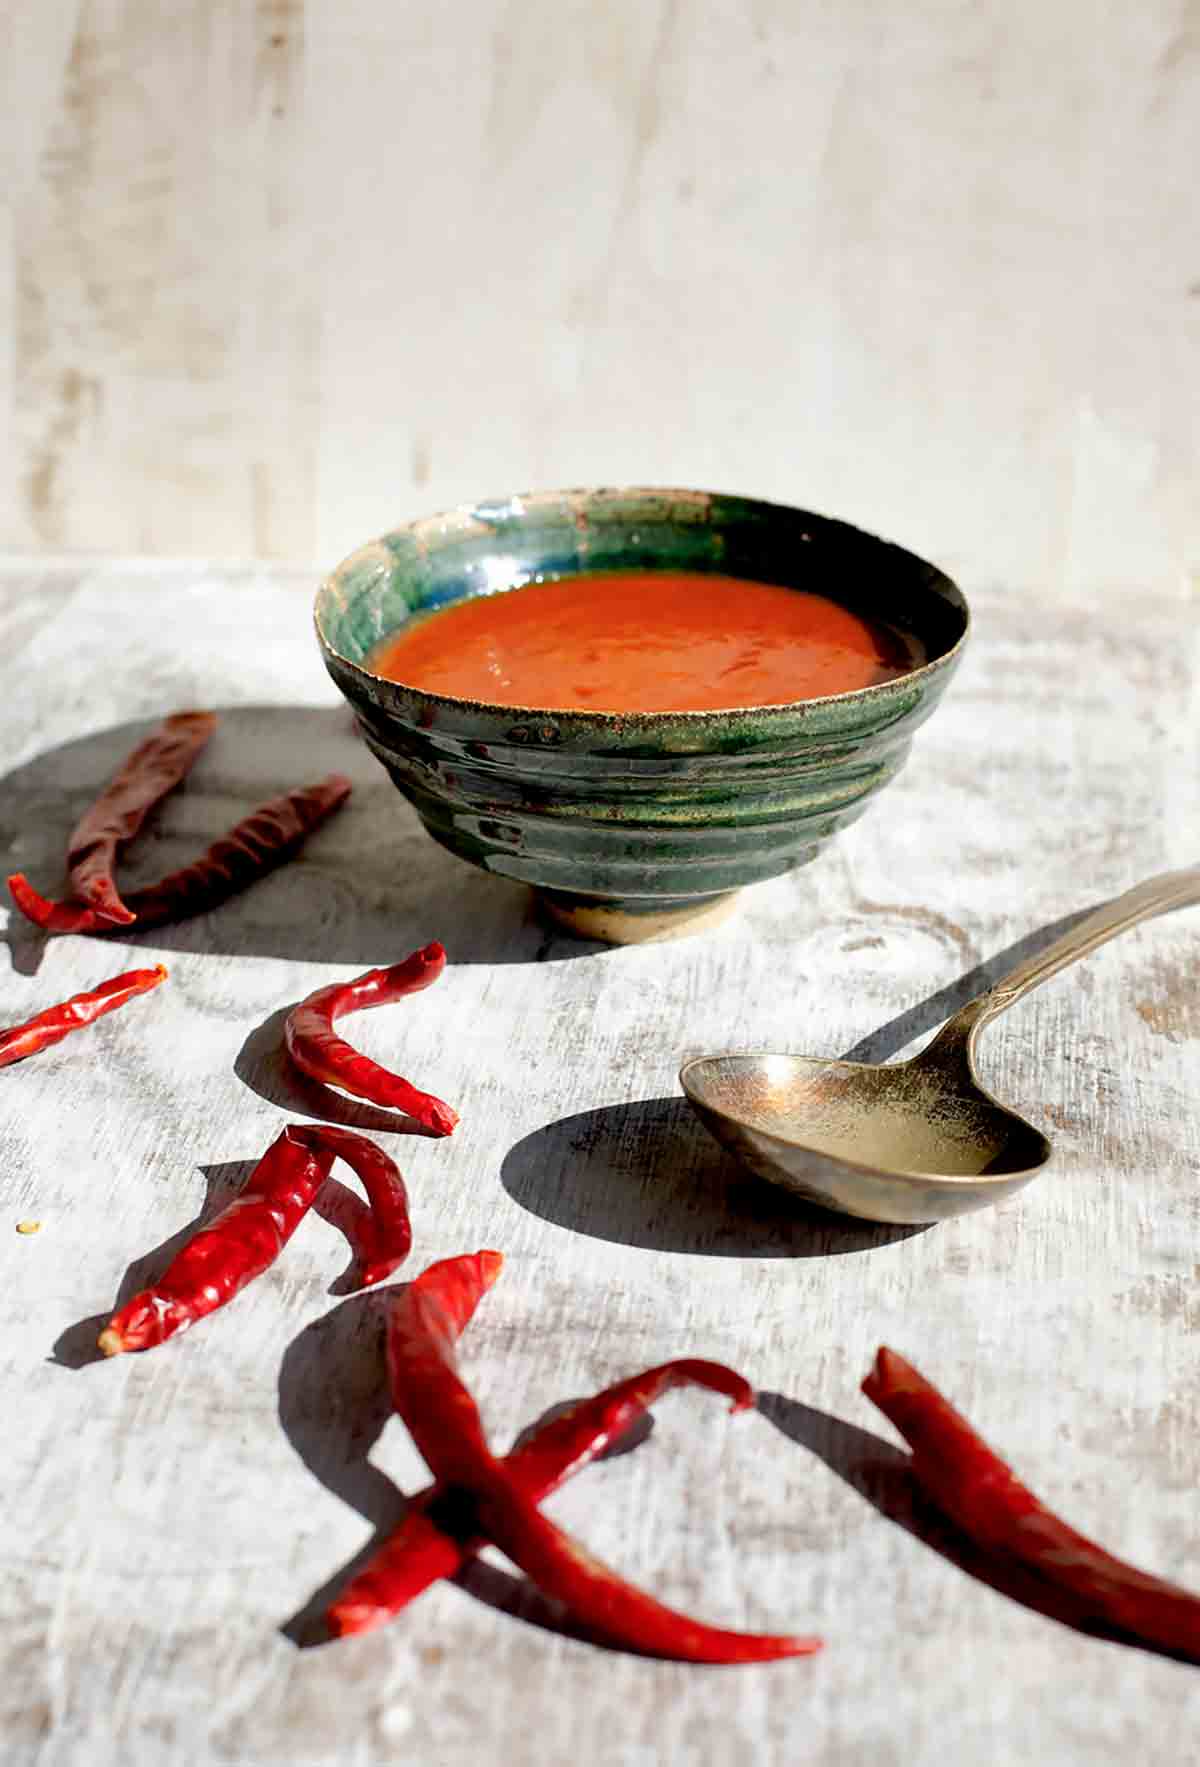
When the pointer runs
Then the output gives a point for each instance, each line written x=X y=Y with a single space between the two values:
x=912 y=1141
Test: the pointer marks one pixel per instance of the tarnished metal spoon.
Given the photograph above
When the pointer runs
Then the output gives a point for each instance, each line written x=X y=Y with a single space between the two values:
x=912 y=1141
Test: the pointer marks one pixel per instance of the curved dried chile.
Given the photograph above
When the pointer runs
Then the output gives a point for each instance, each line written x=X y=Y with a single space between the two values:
x=420 y=1552
x=385 y=1235
x=267 y=838
x=318 y=1051
x=249 y=1234
x=429 y=1394
x=57 y=1022
x=982 y=1495
x=253 y=847
x=220 y=1259
x=144 y=778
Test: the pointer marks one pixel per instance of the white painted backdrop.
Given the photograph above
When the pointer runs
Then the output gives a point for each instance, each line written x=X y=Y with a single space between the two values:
x=274 y=274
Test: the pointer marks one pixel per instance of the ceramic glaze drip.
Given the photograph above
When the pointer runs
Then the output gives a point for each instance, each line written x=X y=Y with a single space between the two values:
x=644 y=641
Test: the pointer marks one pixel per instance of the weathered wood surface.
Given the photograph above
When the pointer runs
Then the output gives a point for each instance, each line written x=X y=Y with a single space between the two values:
x=277 y=273
x=169 y=1517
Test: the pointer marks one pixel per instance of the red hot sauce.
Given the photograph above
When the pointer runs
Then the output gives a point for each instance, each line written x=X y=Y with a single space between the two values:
x=643 y=641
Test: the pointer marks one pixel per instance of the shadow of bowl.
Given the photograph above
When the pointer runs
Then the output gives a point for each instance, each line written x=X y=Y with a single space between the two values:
x=367 y=888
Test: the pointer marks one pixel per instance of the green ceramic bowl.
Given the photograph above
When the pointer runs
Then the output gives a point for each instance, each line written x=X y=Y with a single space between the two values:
x=635 y=826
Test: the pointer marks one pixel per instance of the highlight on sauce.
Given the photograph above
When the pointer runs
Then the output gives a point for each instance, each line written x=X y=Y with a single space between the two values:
x=644 y=641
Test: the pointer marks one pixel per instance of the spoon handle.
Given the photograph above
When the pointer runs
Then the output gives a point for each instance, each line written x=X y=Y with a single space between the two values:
x=1158 y=895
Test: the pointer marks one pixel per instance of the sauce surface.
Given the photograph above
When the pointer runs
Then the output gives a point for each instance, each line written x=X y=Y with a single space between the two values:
x=643 y=641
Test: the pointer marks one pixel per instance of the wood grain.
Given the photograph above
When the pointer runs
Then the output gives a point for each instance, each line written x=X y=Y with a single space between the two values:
x=173 y=1519
x=280 y=274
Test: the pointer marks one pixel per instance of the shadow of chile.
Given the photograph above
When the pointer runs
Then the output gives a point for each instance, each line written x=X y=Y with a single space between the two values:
x=649 y=1175
x=882 y=1474
x=334 y=1402
x=369 y=886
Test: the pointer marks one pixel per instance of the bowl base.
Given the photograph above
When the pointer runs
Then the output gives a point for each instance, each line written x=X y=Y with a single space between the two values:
x=629 y=922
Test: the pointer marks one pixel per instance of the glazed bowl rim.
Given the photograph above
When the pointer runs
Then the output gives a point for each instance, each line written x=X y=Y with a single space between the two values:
x=519 y=502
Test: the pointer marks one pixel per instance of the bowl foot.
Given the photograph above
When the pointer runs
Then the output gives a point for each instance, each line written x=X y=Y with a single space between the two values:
x=635 y=921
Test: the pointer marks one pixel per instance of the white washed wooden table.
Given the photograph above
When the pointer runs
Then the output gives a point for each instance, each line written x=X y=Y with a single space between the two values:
x=173 y=1519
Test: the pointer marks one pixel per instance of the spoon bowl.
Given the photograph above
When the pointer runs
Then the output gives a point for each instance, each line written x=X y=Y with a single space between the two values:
x=909 y=1142
x=883 y=1143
